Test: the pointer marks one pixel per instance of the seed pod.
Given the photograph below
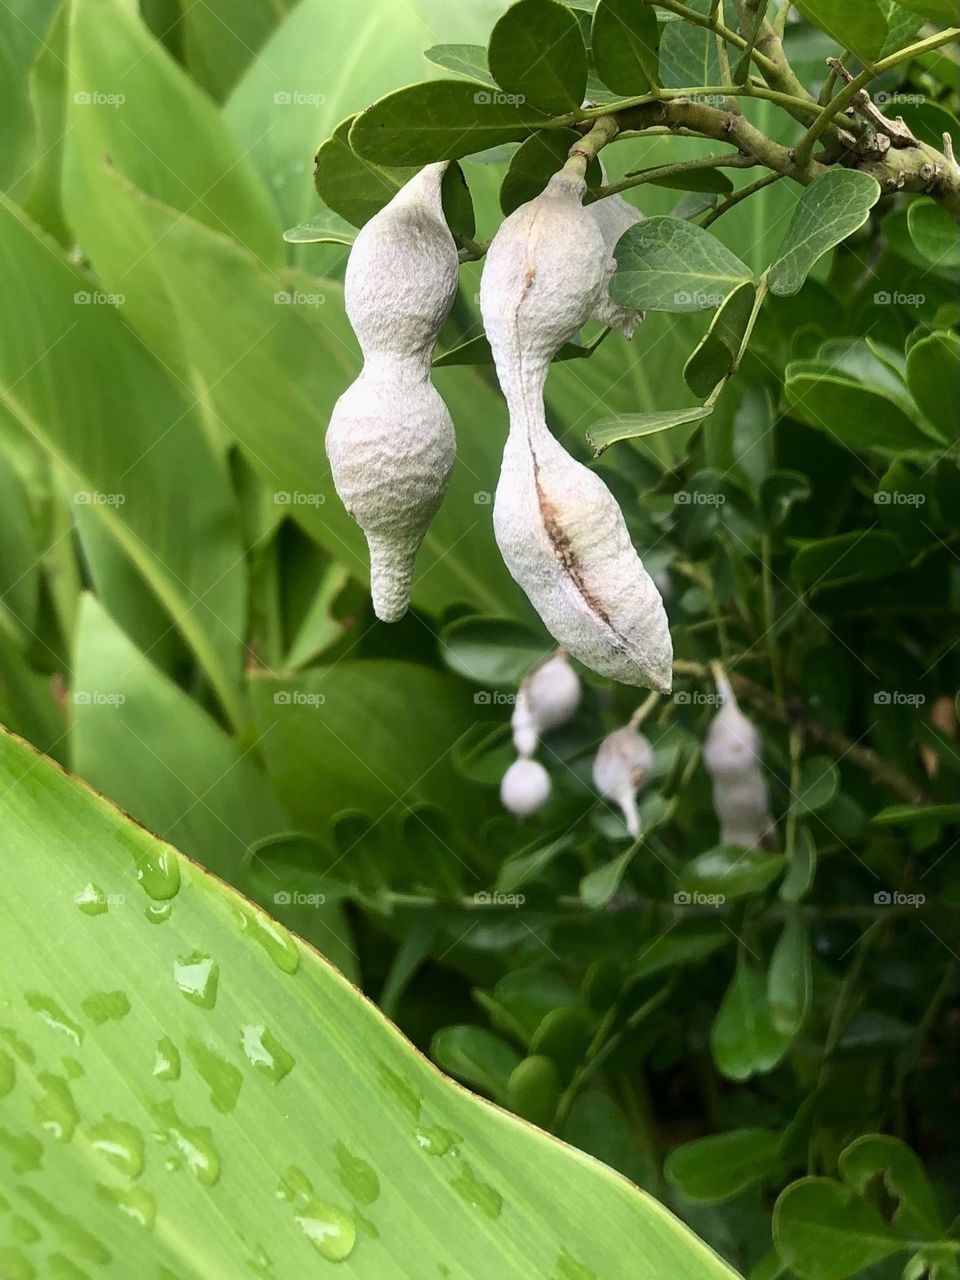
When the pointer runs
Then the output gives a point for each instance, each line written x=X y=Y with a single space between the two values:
x=731 y=754
x=558 y=527
x=614 y=215
x=525 y=787
x=390 y=441
x=622 y=764
x=548 y=696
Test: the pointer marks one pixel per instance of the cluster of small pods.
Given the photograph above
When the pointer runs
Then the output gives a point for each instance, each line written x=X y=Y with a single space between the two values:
x=548 y=696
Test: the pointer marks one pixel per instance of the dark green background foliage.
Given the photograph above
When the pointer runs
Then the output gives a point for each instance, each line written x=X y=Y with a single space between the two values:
x=763 y=1041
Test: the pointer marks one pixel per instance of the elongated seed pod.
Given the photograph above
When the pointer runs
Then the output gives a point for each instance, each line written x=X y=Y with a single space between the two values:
x=525 y=787
x=558 y=527
x=731 y=754
x=548 y=697
x=614 y=215
x=390 y=441
x=622 y=764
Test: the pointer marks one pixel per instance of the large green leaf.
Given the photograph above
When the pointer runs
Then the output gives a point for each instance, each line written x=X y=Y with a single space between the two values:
x=625 y=39
x=187 y=1081
x=824 y=1231
x=222 y=37
x=712 y=1169
x=537 y=55
x=667 y=264
x=856 y=24
x=743 y=1038
x=853 y=413
x=933 y=374
x=833 y=206
x=78 y=381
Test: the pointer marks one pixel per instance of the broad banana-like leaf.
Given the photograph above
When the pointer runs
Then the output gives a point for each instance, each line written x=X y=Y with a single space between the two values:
x=192 y=1092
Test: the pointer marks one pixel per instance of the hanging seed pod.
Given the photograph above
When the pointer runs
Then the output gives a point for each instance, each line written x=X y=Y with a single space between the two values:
x=731 y=754
x=390 y=441
x=558 y=527
x=622 y=764
x=525 y=787
x=614 y=215
x=548 y=697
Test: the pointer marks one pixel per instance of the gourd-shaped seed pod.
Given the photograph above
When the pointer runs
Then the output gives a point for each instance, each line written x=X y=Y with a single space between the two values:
x=731 y=754
x=614 y=215
x=548 y=696
x=559 y=529
x=622 y=764
x=525 y=787
x=390 y=441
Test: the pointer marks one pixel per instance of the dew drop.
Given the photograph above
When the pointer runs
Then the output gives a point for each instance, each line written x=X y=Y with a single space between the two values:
x=72 y=1069
x=120 y=1143
x=158 y=912
x=198 y=975
x=91 y=900
x=137 y=1203
x=105 y=1006
x=166 y=1064
x=8 y=1074
x=223 y=1079
x=265 y=1052
x=55 y=1108
x=194 y=1146
x=158 y=873
x=332 y=1232
x=261 y=1265
x=480 y=1194
x=358 y=1177
x=54 y=1016
x=274 y=938
x=436 y=1141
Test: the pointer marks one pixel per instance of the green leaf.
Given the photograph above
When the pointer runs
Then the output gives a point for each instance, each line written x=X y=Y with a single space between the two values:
x=933 y=374
x=477 y=1057
x=688 y=53
x=831 y=208
x=439 y=120
x=743 y=1038
x=730 y=872
x=325 y=228
x=852 y=413
x=468 y=60
x=535 y=162
x=906 y=1181
x=537 y=54
x=908 y=814
x=859 y=555
x=677 y=948
x=598 y=886
x=790 y=977
x=492 y=651
x=533 y=1090
x=477 y=351
x=625 y=39
x=298 y=1107
x=945 y=11
x=354 y=188
x=934 y=233
x=707 y=180
x=710 y=1170
x=220 y=38
x=818 y=785
x=631 y=426
x=666 y=264
x=717 y=355
x=824 y=1231
x=798 y=881
x=856 y=24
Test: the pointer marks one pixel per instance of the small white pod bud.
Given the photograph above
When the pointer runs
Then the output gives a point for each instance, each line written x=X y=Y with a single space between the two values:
x=390 y=441
x=548 y=697
x=525 y=787
x=559 y=528
x=731 y=754
x=523 y=726
x=623 y=763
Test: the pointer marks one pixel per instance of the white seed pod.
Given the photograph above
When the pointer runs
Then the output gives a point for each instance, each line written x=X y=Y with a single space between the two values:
x=731 y=754
x=622 y=764
x=390 y=442
x=558 y=527
x=525 y=787
x=614 y=215
x=548 y=697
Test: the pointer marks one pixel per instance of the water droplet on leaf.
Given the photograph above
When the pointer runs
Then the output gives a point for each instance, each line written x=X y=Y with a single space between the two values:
x=198 y=975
